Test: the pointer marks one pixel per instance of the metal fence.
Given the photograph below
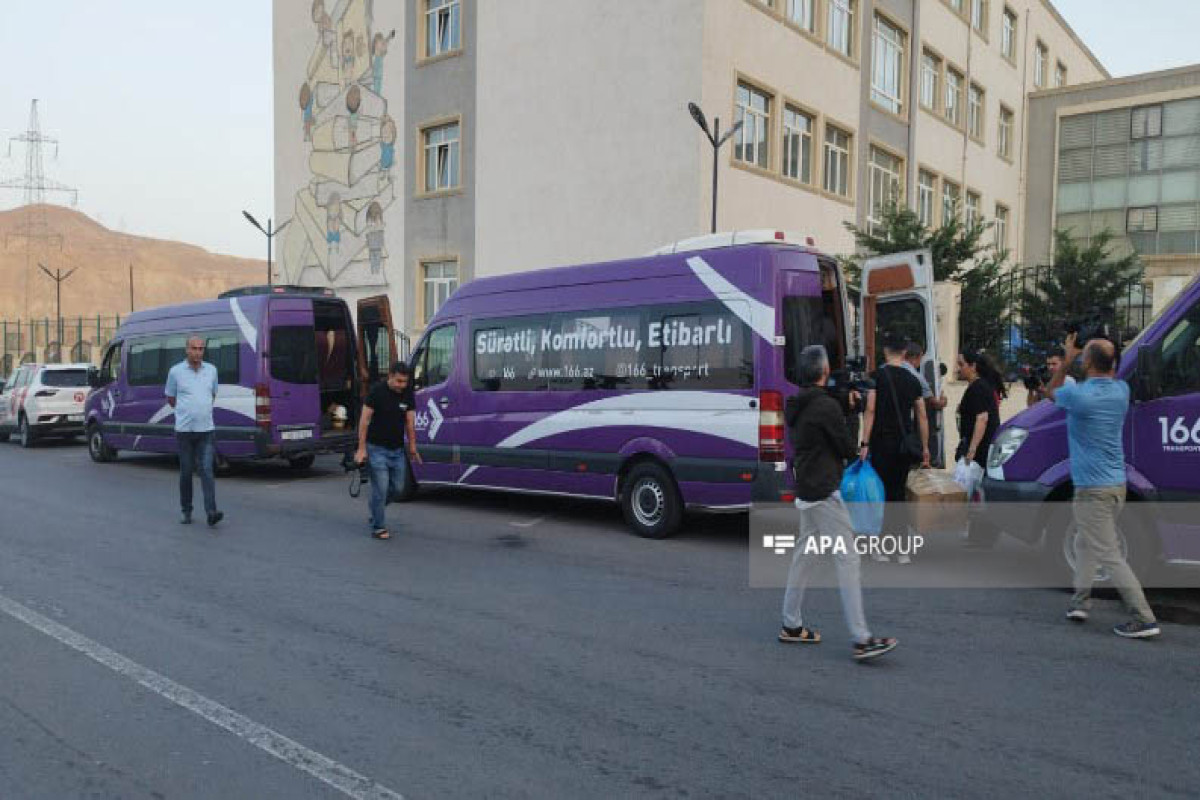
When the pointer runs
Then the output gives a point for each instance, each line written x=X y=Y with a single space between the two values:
x=1131 y=312
x=47 y=340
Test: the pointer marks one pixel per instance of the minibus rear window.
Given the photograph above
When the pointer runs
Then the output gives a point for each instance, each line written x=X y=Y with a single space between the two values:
x=807 y=321
x=294 y=353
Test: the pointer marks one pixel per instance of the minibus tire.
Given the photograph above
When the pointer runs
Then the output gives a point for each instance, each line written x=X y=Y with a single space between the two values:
x=1142 y=549
x=301 y=463
x=98 y=449
x=650 y=501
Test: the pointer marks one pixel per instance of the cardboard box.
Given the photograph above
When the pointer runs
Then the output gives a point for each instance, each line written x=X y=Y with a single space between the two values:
x=936 y=502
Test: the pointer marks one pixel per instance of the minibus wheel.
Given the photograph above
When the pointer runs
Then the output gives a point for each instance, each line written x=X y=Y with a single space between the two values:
x=301 y=462
x=1136 y=540
x=650 y=501
x=99 y=451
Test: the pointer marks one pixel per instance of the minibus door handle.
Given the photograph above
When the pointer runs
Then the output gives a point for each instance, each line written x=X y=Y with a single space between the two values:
x=444 y=402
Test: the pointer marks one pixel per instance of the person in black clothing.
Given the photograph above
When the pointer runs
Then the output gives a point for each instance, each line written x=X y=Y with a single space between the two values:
x=979 y=410
x=388 y=418
x=891 y=408
x=822 y=444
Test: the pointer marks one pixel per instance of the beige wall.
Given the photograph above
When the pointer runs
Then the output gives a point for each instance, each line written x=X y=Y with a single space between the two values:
x=585 y=150
x=742 y=40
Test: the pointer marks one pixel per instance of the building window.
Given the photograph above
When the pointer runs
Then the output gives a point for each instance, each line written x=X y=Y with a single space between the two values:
x=886 y=170
x=1041 y=58
x=1147 y=122
x=975 y=97
x=1060 y=75
x=441 y=162
x=1006 y=132
x=887 y=68
x=800 y=13
x=1008 y=35
x=1142 y=220
x=957 y=5
x=926 y=191
x=973 y=201
x=440 y=279
x=979 y=15
x=950 y=194
x=840 y=27
x=1001 y=228
x=931 y=71
x=443 y=30
x=837 y=161
x=953 y=106
x=754 y=112
x=797 y=144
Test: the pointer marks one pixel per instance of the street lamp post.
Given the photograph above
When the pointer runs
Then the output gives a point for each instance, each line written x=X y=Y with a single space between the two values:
x=716 y=139
x=269 y=232
x=58 y=278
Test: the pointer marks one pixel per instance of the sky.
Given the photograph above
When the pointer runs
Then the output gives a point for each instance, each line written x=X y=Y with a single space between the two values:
x=163 y=110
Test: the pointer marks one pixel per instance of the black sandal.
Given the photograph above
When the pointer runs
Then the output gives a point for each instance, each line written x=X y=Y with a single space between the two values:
x=801 y=635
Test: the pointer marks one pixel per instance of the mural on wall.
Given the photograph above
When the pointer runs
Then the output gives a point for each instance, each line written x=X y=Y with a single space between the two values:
x=337 y=233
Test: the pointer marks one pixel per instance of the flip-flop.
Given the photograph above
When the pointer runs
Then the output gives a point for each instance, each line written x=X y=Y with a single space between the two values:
x=805 y=636
x=382 y=534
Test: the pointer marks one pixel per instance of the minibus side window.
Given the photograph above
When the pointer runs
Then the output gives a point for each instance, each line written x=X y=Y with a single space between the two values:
x=1181 y=356
x=437 y=358
x=145 y=356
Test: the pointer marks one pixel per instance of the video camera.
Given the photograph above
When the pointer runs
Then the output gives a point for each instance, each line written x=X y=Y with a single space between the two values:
x=1098 y=322
x=363 y=474
x=1034 y=378
x=851 y=378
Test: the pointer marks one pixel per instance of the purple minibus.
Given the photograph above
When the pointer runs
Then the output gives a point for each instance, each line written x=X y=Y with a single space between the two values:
x=1028 y=469
x=290 y=365
x=655 y=382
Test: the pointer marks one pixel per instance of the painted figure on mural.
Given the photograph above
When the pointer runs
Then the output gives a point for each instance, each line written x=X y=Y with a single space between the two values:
x=375 y=236
x=387 y=148
x=379 y=48
x=347 y=55
x=325 y=32
x=306 y=110
x=353 y=103
x=333 y=224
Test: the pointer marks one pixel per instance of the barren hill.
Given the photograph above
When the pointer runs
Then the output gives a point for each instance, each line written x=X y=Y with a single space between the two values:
x=163 y=272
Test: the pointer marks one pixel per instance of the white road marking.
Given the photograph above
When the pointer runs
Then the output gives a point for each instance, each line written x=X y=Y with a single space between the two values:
x=323 y=768
x=528 y=524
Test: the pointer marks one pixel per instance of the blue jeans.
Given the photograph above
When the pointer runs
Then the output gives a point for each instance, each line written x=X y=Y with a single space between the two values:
x=389 y=473
x=196 y=452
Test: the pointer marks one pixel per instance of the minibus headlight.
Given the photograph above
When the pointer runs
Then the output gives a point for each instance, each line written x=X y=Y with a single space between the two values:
x=1006 y=446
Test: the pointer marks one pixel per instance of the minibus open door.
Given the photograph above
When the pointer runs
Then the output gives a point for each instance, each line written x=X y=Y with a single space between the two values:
x=897 y=298
x=379 y=344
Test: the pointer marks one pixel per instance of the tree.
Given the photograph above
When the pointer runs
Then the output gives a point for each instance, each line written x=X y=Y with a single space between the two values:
x=1083 y=281
x=960 y=253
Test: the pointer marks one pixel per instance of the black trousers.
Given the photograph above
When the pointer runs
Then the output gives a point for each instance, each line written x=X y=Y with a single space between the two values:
x=893 y=467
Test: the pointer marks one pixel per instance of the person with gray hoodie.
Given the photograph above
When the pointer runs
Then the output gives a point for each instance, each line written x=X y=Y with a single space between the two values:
x=822 y=444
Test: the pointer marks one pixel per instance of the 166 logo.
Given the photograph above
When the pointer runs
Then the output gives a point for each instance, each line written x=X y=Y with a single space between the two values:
x=1176 y=432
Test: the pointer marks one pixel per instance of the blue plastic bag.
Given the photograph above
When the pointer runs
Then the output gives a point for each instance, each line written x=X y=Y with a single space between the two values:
x=862 y=490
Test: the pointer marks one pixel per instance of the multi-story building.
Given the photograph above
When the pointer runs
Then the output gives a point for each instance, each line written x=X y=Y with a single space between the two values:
x=1126 y=159
x=423 y=143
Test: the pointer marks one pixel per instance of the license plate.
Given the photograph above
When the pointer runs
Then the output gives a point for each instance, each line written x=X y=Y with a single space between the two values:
x=291 y=436
x=75 y=418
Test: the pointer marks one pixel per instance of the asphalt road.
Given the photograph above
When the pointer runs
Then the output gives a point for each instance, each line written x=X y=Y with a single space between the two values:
x=514 y=647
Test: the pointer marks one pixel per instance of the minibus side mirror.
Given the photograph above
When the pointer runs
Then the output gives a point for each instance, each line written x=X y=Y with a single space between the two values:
x=93 y=378
x=1147 y=377
x=943 y=369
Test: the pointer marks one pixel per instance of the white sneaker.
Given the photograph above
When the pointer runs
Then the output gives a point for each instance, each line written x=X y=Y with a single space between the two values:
x=904 y=559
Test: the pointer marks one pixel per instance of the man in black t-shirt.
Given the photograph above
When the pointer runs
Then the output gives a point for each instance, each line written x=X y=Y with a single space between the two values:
x=388 y=418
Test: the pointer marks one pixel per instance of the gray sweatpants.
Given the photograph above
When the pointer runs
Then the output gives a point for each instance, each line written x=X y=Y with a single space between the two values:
x=1095 y=510
x=827 y=517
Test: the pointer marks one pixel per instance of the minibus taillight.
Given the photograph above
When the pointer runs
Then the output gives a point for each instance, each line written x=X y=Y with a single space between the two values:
x=262 y=405
x=770 y=426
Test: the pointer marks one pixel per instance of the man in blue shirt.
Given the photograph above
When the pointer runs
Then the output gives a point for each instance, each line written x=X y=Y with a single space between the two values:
x=1096 y=412
x=191 y=390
